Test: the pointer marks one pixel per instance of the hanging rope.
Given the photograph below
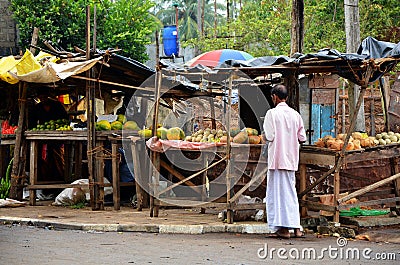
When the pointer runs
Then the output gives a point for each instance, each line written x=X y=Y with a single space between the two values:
x=102 y=153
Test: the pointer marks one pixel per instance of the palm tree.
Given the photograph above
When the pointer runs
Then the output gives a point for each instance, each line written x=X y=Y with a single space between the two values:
x=190 y=21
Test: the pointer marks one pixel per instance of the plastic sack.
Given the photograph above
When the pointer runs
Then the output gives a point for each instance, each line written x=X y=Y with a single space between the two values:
x=11 y=203
x=72 y=196
x=356 y=211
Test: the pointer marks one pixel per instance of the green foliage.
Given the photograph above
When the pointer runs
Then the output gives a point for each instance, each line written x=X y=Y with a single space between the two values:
x=128 y=25
x=380 y=19
x=263 y=27
x=188 y=16
x=125 y=24
x=324 y=26
x=79 y=205
x=5 y=182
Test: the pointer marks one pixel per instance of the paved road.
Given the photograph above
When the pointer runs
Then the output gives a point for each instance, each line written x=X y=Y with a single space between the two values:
x=32 y=245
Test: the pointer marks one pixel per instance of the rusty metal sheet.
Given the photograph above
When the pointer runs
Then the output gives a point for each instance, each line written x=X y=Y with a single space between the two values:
x=394 y=106
x=323 y=96
x=324 y=81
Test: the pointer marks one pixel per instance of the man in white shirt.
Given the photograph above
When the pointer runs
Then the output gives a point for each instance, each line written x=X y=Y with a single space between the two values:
x=284 y=131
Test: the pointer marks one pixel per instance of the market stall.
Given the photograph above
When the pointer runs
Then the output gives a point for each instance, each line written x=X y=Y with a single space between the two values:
x=68 y=76
x=363 y=68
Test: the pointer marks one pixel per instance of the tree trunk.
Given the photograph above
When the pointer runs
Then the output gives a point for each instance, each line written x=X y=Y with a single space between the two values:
x=352 y=28
x=297 y=30
x=198 y=17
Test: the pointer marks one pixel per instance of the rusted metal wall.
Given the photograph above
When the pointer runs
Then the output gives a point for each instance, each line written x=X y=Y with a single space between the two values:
x=394 y=106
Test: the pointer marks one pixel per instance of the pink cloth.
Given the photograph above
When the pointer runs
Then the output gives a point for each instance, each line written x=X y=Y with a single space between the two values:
x=161 y=146
x=284 y=129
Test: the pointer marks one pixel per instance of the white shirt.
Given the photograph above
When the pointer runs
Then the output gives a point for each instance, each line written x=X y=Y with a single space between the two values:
x=284 y=129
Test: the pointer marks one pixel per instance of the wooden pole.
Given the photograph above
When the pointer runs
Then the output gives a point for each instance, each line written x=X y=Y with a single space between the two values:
x=155 y=156
x=157 y=52
x=229 y=212
x=91 y=133
x=303 y=185
x=385 y=101
x=16 y=175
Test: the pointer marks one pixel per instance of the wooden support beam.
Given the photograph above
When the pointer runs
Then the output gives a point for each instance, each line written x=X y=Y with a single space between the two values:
x=229 y=212
x=368 y=188
x=303 y=185
x=317 y=206
x=177 y=174
x=190 y=177
x=155 y=156
x=371 y=202
x=16 y=174
x=115 y=159
x=260 y=176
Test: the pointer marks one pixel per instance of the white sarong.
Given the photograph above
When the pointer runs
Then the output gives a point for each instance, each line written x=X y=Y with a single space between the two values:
x=282 y=203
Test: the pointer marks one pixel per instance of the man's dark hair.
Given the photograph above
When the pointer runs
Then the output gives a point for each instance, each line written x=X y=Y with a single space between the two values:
x=280 y=91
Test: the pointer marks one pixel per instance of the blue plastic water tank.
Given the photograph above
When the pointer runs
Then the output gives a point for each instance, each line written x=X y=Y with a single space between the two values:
x=170 y=41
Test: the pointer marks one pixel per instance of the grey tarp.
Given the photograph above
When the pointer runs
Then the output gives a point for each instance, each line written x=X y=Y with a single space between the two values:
x=370 y=48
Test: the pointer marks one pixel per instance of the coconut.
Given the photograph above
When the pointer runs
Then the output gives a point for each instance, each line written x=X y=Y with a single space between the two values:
x=382 y=142
x=393 y=138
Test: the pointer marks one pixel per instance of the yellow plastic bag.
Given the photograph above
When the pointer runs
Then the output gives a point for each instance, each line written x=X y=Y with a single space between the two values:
x=8 y=64
x=27 y=64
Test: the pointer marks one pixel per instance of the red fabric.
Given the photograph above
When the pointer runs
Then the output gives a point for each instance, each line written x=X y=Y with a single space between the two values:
x=44 y=152
x=161 y=146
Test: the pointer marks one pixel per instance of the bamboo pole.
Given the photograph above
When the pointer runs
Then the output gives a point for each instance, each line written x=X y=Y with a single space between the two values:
x=155 y=156
x=229 y=212
x=91 y=133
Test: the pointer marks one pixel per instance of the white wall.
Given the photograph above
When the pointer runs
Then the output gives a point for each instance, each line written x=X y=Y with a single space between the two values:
x=185 y=54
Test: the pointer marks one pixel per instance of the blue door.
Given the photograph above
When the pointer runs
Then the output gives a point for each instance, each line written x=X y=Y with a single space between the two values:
x=322 y=121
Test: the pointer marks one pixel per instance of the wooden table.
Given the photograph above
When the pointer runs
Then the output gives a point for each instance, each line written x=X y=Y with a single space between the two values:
x=67 y=138
x=315 y=156
x=116 y=141
x=248 y=169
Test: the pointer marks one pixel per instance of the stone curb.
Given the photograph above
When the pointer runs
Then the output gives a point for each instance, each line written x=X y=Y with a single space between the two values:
x=143 y=228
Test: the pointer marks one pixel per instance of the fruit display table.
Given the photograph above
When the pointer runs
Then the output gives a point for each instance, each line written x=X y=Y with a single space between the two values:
x=196 y=174
x=381 y=161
